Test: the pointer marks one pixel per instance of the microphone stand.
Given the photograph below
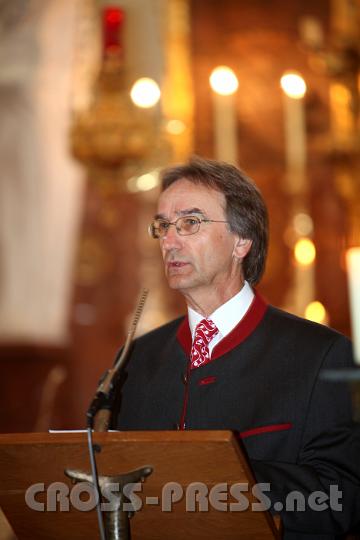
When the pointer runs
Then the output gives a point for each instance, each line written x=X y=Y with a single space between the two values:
x=117 y=524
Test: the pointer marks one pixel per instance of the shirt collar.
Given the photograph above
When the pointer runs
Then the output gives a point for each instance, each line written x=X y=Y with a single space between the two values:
x=228 y=315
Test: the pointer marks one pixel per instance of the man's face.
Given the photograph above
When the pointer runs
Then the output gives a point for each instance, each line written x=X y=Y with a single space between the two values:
x=203 y=262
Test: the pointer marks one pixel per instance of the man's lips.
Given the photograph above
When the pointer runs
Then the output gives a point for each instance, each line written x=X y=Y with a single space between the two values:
x=176 y=264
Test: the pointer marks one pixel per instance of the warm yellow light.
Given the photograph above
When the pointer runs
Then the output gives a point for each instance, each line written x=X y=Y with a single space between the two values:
x=175 y=127
x=145 y=93
x=353 y=268
x=305 y=251
x=315 y=311
x=303 y=224
x=145 y=182
x=293 y=85
x=223 y=81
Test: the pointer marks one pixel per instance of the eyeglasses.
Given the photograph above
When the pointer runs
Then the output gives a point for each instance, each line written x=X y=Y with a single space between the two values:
x=185 y=226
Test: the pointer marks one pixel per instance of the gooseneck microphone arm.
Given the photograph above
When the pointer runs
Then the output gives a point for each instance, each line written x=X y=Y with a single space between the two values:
x=98 y=414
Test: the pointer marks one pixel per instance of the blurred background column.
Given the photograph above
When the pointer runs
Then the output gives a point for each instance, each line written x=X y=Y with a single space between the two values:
x=41 y=187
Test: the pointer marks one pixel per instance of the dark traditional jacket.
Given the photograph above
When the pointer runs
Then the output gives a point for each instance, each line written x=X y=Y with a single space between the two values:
x=264 y=381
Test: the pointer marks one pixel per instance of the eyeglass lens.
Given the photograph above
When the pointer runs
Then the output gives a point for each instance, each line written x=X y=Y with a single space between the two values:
x=184 y=225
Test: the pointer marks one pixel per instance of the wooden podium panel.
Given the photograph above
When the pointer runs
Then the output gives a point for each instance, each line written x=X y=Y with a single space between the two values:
x=184 y=457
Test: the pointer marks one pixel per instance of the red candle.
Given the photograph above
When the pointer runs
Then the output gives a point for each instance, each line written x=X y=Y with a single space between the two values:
x=113 y=18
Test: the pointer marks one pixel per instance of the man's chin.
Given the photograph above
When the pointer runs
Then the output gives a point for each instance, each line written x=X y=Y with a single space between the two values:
x=175 y=283
x=178 y=282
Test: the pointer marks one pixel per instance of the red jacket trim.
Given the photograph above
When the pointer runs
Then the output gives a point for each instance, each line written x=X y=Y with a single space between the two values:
x=207 y=380
x=264 y=429
x=246 y=326
x=186 y=398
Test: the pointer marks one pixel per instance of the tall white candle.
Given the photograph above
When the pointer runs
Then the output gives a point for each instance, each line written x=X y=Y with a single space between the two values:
x=294 y=88
x=225 y=139
x=353 y=272
x=304 y=279
x=224 y=83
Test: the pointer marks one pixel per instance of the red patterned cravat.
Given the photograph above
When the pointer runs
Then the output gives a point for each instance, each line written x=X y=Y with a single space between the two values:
x=204 y=333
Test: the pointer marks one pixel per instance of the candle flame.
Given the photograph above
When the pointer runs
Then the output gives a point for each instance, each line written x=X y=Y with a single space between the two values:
x=145 y=93
x=305 y=251
x=293 y=85
x=315 y=311
x=223 y=81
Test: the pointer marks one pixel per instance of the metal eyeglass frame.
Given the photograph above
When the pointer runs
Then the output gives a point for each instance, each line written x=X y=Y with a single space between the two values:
x=152 y=229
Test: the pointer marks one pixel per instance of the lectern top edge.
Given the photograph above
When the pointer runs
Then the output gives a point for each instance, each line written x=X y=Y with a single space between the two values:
x=126 y=436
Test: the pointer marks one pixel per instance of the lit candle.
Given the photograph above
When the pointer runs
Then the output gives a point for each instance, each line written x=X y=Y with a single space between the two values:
x=304 y=274
x=294 y=88
x=224 y=83
x=353 y=268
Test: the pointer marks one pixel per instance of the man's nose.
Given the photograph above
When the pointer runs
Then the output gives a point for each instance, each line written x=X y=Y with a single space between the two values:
x=172 y=239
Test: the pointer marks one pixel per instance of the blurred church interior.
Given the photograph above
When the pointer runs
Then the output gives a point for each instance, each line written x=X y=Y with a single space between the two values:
x=95 y=98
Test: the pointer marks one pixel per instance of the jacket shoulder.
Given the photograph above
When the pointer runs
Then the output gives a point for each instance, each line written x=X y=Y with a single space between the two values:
x=303 y=327
x=316 y=344
x=160 y=333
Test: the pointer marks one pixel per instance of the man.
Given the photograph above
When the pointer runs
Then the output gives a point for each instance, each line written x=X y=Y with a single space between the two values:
x=237 y=363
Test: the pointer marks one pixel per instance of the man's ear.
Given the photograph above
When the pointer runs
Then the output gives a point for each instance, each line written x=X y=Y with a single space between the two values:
x=242 y=248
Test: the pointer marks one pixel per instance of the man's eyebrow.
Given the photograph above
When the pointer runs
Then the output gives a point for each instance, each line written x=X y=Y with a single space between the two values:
x=191 y=211
x=186 y=212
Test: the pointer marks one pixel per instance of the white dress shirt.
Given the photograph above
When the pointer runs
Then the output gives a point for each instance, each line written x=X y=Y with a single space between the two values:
x=227 y=316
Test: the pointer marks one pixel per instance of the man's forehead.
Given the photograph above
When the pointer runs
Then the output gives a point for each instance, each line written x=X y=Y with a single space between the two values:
x=186 y=197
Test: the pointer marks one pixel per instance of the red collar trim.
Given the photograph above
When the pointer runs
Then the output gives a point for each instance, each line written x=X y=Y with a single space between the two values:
x=242 y=330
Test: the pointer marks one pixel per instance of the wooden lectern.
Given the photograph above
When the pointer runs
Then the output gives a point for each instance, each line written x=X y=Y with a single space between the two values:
x=183 y=457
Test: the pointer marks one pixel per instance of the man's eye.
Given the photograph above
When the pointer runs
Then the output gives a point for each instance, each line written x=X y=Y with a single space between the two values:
x=163 y=225
x=190 y=221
